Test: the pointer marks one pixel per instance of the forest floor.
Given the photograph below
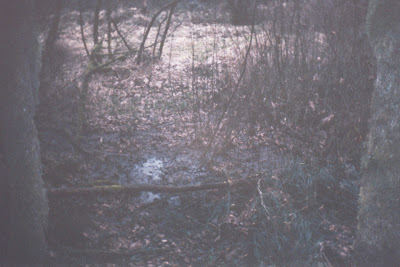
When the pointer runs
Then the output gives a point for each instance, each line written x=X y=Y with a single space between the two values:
x=151 y=124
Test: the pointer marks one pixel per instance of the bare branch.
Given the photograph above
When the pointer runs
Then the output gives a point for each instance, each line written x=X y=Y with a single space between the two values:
x=139 y=56
x=236 y=89
x=164 y=37
x=82 y=32
x=120 y=35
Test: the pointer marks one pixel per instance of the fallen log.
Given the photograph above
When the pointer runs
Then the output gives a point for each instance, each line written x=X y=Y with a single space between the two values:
x=137 y=188
x=101 y=255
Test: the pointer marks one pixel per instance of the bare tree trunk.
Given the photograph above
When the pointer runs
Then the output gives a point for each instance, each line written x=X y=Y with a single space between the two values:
x=141 y=49
x=96 y=52
x=164 y=37
x=96 y=23
x=158 y=34
x=108 y=16
x=19 y=144
x=378 y=238
x=81 y=24
x=4 y=209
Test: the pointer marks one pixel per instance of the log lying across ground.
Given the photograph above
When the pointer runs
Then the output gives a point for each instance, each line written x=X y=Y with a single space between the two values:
x=118 y=189
x=101 y=255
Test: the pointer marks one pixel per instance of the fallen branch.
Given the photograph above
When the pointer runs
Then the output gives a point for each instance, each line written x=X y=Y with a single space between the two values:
x=97 y=255
x=118 y=189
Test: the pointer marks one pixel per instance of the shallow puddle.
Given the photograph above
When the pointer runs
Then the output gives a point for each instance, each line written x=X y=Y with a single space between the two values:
x=153 y=168
x=150 y=171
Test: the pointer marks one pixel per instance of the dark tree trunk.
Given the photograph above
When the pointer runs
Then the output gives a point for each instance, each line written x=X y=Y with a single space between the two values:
x=19 y=143
x=81 y=26
x=378 y=238
x=153 y=19
x=167 y=25
x=96 y=23
x=108 y=17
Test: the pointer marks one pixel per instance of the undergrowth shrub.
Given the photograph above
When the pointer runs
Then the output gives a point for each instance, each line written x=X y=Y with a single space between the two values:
x=285 y=220
x=311 y=75
x=291 y=207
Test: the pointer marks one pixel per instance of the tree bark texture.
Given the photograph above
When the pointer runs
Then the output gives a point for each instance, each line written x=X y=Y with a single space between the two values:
x=378 y=237
x=26 y=217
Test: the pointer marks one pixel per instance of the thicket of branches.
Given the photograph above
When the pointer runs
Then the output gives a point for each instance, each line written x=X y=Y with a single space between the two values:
x=302 y=68
x=311 y=75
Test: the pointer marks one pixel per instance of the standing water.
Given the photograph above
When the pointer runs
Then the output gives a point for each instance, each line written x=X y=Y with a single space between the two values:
x=153 y=169
x=149 y=172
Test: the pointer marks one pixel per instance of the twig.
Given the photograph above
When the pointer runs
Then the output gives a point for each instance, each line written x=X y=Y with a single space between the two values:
x=322 y=253
x=123 y=56
x=261 y=197
x=120 y=35
x=236 y=89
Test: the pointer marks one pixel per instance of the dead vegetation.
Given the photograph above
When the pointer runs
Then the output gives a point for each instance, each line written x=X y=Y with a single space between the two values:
x=174 y=98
